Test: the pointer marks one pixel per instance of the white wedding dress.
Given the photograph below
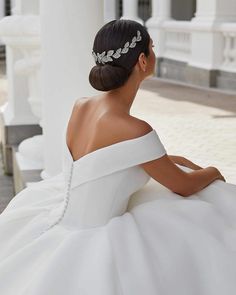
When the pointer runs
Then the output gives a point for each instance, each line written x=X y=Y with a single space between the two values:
x=104 y=227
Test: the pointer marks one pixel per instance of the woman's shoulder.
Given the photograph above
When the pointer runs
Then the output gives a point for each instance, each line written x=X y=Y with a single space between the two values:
x=80 y=101
x=137 y=127
x=114 y=126
x=124 y=127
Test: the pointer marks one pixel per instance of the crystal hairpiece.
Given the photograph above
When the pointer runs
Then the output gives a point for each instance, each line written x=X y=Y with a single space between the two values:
x=103 y=57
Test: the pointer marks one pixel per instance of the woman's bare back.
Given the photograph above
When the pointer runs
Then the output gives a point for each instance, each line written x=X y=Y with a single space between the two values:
x=96 y=123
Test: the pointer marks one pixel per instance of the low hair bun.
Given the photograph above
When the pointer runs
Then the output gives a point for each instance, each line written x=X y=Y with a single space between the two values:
x=116 y=49
x=107 y=77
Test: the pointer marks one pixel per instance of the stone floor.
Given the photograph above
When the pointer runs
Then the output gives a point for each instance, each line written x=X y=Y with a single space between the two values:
x=196 y=123
x=192 y=122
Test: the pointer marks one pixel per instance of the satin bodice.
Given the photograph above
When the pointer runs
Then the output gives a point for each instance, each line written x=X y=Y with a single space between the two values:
x=98 y=185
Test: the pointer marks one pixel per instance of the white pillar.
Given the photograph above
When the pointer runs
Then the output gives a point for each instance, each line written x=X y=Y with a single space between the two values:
x=109 y=10
x=2 y=13
x=2 y=9
x=216 y=11
x=30 y=153
x=209 y=15
x=161 y=9
x=68 y=29
x=20 y=33
x=14 y=30
x=161 y=12
x=25 y=7
x=130 y=10
x=13 y=5
x=17 y=32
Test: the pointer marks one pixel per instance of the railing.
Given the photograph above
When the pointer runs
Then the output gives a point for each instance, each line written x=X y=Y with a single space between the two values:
x=177 y=43
x=178 y=40
x=229 y=48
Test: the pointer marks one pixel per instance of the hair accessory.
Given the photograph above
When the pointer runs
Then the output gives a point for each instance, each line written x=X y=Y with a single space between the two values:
x=102 y=58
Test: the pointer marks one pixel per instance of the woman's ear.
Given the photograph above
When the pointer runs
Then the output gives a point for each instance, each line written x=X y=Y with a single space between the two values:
x=142 y=61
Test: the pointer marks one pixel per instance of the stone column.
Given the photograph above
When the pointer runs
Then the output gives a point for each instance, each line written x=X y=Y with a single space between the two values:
x=68 y=29
x=26 y=7
x=130 y=10
x=215 y=11
x=110 y=10
x=2 y=13
x=2 y=9
x=207 y=40
x=20 y=33
x=161 y=11
x=13 y=5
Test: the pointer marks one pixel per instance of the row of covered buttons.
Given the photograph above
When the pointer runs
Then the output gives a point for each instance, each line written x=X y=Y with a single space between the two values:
x=65 y=202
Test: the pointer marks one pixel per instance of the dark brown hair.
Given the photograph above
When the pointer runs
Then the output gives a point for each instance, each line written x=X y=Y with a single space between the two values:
x=114 y=35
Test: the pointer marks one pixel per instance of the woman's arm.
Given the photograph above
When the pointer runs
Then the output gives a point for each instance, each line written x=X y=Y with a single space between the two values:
x=184 y=162
x=187 y=163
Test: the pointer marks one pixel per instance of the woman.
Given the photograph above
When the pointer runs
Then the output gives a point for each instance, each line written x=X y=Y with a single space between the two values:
x=77 y=233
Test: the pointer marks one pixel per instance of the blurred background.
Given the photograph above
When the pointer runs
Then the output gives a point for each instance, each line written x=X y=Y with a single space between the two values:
x=45 y=59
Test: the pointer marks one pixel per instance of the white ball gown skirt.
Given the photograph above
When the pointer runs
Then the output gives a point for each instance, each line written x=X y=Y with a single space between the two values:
x=161 y=244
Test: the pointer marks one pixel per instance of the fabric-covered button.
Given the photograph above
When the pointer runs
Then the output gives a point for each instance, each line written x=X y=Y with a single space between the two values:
x=61 y=209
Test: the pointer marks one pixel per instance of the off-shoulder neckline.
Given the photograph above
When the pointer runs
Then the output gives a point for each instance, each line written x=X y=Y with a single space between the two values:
x=105 y=147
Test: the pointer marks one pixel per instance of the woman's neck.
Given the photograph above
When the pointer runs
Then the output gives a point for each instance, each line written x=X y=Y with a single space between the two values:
x=125 y=95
